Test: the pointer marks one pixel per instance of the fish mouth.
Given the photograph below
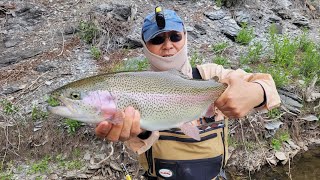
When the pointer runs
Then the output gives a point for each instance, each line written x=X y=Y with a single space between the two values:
x=70 y=109
x=66 y=106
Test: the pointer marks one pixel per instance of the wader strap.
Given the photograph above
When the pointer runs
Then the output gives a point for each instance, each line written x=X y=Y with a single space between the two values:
x=196 y=73
x=149 y=158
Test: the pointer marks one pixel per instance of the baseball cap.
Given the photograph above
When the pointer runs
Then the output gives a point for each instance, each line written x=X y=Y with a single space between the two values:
x=150 y=28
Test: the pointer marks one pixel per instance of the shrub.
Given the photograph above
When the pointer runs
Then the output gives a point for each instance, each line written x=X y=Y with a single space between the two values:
x=88 y=31
x=95 y=52
x=245 y=35
x=219 y=48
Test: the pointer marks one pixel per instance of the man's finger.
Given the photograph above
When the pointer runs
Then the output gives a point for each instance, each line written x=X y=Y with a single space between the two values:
x=221 y=101
x=116 y=128
x=128 y=118
x=135 y=130
x=103 y=128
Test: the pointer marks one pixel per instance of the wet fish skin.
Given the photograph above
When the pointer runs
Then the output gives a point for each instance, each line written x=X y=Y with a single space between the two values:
x=164 y=99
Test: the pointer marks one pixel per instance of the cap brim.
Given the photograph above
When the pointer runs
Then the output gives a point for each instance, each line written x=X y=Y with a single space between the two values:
x=170 y=26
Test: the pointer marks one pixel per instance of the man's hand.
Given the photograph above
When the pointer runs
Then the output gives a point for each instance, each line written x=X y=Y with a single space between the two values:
x=239 y=98
x=129 y=126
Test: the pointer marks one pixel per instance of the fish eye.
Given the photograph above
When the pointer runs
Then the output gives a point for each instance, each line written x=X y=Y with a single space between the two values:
x=75 y=95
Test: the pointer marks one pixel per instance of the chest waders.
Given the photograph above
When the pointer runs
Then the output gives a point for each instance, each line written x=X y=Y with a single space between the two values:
x=176 y=156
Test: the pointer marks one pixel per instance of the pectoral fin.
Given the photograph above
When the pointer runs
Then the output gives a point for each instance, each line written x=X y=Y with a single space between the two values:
x=190 y=130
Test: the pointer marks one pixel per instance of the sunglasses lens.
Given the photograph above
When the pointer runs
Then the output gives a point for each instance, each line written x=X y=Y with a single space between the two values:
x=175 y=37
x=157 y=40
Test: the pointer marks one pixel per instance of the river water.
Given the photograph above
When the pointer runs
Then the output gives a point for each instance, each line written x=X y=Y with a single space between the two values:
x=305 y=166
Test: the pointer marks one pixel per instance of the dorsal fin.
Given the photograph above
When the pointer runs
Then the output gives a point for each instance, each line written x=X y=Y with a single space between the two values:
x=178 y=73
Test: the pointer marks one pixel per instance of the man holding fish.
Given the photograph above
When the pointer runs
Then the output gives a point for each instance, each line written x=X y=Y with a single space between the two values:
x=174 y=156
x=146 y=117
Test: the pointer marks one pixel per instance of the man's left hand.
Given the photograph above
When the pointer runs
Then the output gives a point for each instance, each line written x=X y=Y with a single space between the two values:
x=239 y=98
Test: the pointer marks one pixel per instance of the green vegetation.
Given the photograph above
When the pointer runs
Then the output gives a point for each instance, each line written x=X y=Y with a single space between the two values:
x=135 y=64
x=218 y=3
x=233 y=141
x=7 y=107
x=280 y=77
x=76 y=153
x=284 y=49
x=37 y=114
x=221 y=60
x=219 y=48
x=310 y=57
x=52 y=101
x=195 y=59
x=72 y=125
x=41 y=166
x=245 y=35
x=249 y=145
x=88 y=31
x=69 y=165
x=6 y=176
x=287 y=61
x=273 y=113
x=277 y=141
x=253 y=55
x=95 y=52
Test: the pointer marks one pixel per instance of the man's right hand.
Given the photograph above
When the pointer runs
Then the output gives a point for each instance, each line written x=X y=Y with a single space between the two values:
x=129 y=126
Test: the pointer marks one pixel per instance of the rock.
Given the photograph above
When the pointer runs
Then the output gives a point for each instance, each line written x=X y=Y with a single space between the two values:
x=189 y=28
x=300 y=20
x=11 y=90
x=116 y=11
x=284 y=14
x=290 y=94
x=11 y=42
x=201 y=29
x=48 y=83
x=115 y=166
x=242 y=17
x=280 y=155
x=100 y=157
x=94 y=166
x=53 y=176
x=75 y=175
x=289 y=101
x=300 y=144
x=98 y=178
x=273 y=125
x=272 y=160
x=31 y=14
x=309 y=117
x=274 y=19
x=44 y=67
x=292 y=144
x=216 y=15
x=292 y=109
x=30 y=53
x=87 y=156
x=132 y=43
x=70 y=30
x=284 y=3
x=230 y=28
x=109 y=171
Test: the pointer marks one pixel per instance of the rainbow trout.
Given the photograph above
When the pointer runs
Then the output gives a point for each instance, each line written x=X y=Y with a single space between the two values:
x=164 y=99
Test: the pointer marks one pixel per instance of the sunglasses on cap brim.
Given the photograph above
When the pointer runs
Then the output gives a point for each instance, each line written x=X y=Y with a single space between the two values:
x=159 y=39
